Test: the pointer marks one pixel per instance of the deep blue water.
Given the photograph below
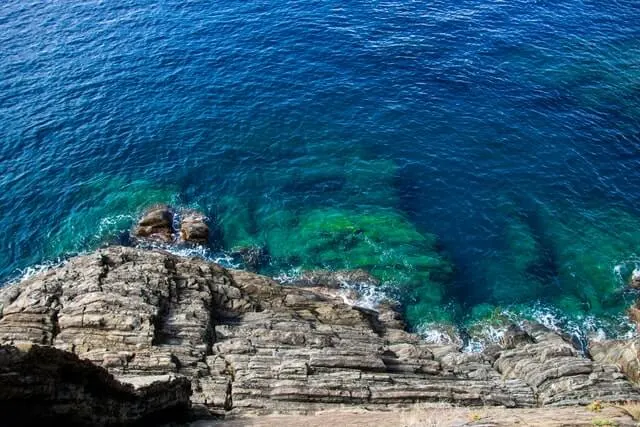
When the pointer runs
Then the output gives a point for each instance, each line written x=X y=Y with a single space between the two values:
x=510 y=130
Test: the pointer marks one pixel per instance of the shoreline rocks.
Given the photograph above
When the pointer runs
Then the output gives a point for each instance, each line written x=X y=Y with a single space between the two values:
x=249 y=345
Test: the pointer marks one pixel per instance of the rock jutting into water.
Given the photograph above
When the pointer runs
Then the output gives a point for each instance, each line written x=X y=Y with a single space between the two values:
x=250 y=345
x=335 y=279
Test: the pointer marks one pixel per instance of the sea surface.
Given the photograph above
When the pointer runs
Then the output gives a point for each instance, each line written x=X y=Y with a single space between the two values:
x=480 y=157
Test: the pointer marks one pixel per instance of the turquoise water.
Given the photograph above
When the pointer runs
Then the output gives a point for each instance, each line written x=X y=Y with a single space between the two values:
x=480 y=157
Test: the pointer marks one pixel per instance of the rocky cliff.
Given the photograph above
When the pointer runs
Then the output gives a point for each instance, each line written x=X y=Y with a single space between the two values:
x=250 y=345
x=43 y=384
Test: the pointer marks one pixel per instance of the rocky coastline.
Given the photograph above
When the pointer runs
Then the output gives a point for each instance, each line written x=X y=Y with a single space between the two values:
x=125 y=334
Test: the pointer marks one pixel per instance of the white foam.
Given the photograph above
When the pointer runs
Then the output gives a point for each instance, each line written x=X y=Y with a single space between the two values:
x=34 y=270
x=222 y=258
x=289 y=276
x=367 y=295
x=488 y=334
x=435 y=333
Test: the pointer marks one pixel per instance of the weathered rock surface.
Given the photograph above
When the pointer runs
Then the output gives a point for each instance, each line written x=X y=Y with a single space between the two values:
x=156 y=224
x=194 y=228
x=248 y=344
x=625 y=354
x=43 y=384
x=558 y=375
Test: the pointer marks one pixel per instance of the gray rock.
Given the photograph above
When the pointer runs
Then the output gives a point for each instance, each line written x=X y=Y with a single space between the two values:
x=623 y=354
x=558 y=374
x=250 y=345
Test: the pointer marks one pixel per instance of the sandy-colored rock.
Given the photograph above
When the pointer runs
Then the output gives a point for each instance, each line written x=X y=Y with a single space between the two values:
x=634 y=280
x=194 y=228
x=156 y=224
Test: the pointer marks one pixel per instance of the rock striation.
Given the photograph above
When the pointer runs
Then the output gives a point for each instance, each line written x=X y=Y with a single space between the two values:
x=625 y=354
x=250 y=345
x=43 y=384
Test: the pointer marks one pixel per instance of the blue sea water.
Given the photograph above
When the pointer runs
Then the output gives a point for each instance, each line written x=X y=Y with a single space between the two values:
x=507 y=130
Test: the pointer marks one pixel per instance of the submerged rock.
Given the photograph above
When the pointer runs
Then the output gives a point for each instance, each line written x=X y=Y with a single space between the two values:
x=248 y=344
x=156 y=224
x=335 y=279
x=253 y=257
x=194 y=228
x=44 y=385
x=515 y=336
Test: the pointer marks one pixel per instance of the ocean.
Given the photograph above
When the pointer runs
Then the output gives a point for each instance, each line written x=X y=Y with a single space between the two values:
x=479 y=157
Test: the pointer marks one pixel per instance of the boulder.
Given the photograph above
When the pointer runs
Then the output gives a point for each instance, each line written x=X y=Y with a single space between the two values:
x=194 y=228
x=515 y=336
x=156 y=224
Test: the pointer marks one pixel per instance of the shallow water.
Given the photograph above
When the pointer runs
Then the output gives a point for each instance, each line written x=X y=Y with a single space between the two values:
x=480 y=156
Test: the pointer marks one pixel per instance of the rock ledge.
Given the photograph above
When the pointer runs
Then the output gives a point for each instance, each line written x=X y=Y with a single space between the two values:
x=249 y=345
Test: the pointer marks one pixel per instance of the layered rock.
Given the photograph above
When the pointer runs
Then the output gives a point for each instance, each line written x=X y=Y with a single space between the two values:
x=558 y=374
x=43 y=384
x=625 y=354
x=248 y=344
x=157 y=225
